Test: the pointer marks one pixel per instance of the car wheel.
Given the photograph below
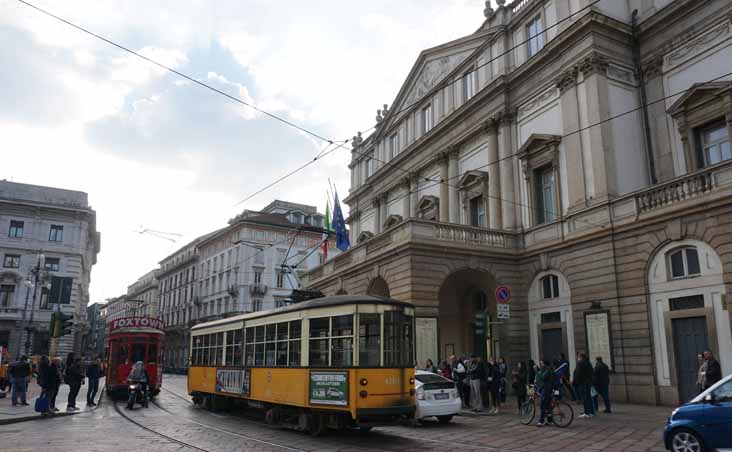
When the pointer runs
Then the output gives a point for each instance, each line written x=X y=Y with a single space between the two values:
x=686 y=441
x=444 y=419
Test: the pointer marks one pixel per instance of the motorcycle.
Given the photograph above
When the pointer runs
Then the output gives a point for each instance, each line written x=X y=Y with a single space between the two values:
x=136 y=394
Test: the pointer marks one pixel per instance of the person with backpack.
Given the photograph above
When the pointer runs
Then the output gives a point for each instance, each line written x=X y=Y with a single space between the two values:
x=74 y=378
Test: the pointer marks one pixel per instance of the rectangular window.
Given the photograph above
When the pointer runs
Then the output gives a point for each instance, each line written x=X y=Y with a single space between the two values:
x=56 y=233
x=477 y=212
x=16 y=229
x=6 y=295
x=369 y=340
x=369 y=167
x=535 y=36
x=546 y=200
x=551 y=317
x=257 y=277
x=398 y=339
x=469 y=85
x=319 y=342
x=60 y=290
x=427 y=118
x=715 y=144
x=295 y=343
x=394 y=146
x=11 y=261
x=52 y=264
x=692 y=302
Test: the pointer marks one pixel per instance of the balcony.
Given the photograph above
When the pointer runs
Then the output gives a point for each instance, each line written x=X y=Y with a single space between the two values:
x=258 y=289
x=8 y=313
x=444 y=237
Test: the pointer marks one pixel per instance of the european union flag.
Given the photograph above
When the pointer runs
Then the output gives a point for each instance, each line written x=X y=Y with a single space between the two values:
x=339 y=226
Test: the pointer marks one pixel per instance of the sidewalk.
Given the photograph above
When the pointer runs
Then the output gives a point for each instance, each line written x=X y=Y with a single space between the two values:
x=10 y=414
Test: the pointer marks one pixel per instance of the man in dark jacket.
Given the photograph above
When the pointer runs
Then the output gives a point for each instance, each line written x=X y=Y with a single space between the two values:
x=74 y=378
x=601 y=381
x=20 y=373
x=714 y=371
x=583 y=379
x=93 y=373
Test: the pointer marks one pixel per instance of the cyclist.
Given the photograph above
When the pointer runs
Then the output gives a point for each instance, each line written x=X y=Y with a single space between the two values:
x=546 y=381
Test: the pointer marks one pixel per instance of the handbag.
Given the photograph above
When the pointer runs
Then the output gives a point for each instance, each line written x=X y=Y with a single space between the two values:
x=593 y=391
x=42 y=403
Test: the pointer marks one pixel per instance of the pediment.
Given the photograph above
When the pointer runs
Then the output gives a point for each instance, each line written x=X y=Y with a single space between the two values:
x=427 y=202
x=432 y=66
x=697 y=94
x=392 y=220
x=471 y=178
x=538 y=141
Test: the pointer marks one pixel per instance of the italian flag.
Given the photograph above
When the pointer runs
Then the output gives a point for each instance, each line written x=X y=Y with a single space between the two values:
x=328 y=229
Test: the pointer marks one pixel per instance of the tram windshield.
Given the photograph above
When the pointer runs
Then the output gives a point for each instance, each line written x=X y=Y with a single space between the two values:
x=137 y=352
x=398 y=339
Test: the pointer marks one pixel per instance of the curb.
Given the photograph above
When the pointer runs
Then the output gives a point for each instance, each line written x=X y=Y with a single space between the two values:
x=53 y=416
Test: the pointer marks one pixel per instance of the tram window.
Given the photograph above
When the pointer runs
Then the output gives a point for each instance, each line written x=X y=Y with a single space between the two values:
x=152 y=353
x=282 y=333
x=122 y=354
x=369 y=339
x=398 y=339
x=320 y=327
x=342 y=352
x=229 y=355
x=294 y=354
x=259 y=334
x=318 y=352
x=259 y=355
x=342 y=326
x=137 y=353
x=270 y=352
x=218 y=357
x=250 y=335
x=269 y=333
x=249 y=355
x=282 y=353
x=295 y=329
x=204 y=356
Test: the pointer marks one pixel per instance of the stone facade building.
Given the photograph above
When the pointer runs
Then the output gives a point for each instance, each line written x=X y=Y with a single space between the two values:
x=94 y=339
x=578 y=154
x=144 y=295
x=61 y=226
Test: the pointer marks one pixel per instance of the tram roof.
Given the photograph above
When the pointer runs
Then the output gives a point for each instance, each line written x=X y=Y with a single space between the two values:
x=324 y=302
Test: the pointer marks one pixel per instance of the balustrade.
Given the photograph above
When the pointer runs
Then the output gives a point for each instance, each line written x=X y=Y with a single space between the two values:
x=675 y=191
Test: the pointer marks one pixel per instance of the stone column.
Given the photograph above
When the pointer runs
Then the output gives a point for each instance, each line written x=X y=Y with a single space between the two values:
x=486 y=201
x=508 y=205
x=452 y=171
x=444 y=192
x=383 y=204
x=573 y=156
x=492 y=196
x=414 y=189
x=407 y=201
x=377 y=214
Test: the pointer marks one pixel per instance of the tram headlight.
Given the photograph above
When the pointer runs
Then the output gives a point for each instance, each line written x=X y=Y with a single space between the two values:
x=363 y=382
x=411 y=381
x=363 y=394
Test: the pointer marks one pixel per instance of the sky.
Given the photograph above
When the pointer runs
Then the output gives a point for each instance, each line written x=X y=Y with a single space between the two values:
x=156 y=151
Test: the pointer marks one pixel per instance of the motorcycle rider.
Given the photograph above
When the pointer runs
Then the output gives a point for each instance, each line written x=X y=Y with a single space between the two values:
x=139 y=375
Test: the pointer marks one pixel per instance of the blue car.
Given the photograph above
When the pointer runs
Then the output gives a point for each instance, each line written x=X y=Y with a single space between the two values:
x=703 y=424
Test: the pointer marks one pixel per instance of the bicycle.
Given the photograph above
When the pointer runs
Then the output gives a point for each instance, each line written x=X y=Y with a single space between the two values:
x=560 y=412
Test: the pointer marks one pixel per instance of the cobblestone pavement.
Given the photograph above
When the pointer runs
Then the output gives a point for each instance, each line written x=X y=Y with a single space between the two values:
x=631 y=428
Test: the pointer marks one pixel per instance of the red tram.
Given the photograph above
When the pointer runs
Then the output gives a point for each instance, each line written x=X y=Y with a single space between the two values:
x=133 y=339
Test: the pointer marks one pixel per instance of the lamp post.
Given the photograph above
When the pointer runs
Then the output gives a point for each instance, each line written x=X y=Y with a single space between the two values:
x=40 y=275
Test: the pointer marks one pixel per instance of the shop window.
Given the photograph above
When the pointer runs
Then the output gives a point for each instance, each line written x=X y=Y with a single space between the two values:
x=684 y=262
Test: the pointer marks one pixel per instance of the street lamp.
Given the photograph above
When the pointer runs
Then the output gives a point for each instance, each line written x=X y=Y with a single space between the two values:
x=40 y=275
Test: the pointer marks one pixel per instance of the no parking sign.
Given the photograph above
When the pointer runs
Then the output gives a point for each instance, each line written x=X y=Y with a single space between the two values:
x=503 y=295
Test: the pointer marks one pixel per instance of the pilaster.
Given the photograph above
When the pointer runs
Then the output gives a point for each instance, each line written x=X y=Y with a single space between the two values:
x=493 y=194
x=573 y=155
x=452 y=155
x=507 y=199
x=444 y=191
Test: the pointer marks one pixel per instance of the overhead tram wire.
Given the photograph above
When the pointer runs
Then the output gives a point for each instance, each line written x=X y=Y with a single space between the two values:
x=512 y=155
x=206 y=86
x=444 y=84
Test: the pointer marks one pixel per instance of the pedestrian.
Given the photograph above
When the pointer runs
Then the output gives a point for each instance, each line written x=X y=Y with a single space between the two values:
x=564 y=380
x=476 y=375
x=713 y=372
x=45 y=380
x=20 y=373
x=518 y=383
x=93 y=374
x=494 y=385
x=531 y=369
x=54 y=383
x=457 y=370
x=701 y=373
x=430 y=366
x=545 y=385
x=503 y=369
x=601 y=381
x=583 y=379
x=74 y=378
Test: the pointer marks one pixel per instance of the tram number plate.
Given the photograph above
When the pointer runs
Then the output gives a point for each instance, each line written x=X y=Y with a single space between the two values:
x=441 y=396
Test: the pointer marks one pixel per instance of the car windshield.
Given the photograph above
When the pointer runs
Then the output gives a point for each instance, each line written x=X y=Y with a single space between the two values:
x=430 y=378
x=726 y=382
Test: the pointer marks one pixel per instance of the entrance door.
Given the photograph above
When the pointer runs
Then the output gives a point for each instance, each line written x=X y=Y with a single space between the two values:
x=690 y=339
x=551 y=343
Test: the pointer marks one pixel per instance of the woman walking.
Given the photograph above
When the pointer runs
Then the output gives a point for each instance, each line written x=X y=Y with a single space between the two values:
x=518 y=382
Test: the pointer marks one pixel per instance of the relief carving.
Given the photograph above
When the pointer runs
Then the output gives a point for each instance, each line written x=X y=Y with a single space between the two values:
x=702 y=40
x=536 y=102
x=653 y=68
x=593 y=64
x=620 y=73
x=567 y=79
x=432 y=73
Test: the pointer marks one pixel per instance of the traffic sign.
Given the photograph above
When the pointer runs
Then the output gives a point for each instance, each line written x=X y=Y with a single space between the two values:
x=503 y=294
x=503 y=311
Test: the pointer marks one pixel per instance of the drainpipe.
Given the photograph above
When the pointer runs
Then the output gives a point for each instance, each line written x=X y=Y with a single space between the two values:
x=644 y=98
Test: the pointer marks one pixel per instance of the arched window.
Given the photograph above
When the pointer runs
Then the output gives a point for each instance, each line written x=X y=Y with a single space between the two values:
x=683 y=262
x=550 y=286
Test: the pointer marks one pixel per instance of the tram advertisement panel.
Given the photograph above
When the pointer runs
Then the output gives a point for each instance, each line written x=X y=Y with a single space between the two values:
x=233 y=381
x=329 y=388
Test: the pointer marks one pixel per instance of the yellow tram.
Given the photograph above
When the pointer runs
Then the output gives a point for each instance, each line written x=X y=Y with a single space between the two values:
x=331 y=362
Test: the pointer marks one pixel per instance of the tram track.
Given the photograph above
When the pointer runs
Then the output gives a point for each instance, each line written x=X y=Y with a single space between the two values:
x=380 y=432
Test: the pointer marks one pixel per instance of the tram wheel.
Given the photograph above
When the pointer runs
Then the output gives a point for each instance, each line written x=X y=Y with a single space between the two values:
x=317 y=425
x=303 y=422
x=272 y=416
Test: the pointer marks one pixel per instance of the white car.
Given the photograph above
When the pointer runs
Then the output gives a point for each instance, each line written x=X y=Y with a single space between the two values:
x=436 y=396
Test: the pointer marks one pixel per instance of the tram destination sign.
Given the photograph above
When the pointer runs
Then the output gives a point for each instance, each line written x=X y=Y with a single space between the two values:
x=329 y=388
x=136 y=322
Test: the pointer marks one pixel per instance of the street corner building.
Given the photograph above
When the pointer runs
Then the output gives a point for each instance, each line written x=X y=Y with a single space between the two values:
x=576 y=156
x=48 y=245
